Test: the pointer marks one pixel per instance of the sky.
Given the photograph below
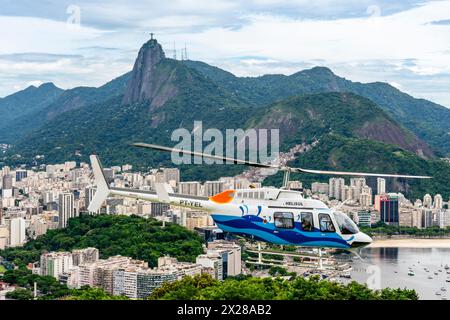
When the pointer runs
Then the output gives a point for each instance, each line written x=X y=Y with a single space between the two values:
x=90 y=42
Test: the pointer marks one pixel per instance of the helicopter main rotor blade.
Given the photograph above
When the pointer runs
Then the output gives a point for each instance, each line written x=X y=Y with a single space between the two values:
x=269 y=166
x=205 y=155
x=362 y=174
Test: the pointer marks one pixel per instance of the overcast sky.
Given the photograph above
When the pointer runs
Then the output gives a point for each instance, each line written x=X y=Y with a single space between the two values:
x=89 y=42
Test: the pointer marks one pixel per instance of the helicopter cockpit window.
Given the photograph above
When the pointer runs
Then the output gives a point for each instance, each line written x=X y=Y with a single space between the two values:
x=283 y=220
x=326 y=224
x=307 y=221
x=345 y=224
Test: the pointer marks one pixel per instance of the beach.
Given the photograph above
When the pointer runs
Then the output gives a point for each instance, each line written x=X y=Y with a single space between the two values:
x=411 y=243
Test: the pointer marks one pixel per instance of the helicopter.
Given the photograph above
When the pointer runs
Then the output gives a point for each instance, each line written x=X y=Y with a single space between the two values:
x=274 y=215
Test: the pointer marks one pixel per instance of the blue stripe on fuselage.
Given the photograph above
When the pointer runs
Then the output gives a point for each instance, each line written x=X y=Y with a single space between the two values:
x=254 y=226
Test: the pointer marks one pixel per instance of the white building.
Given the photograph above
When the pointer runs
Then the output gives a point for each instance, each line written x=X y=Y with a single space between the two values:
x=335 y=186
x=65 y=208
x=231 y=256
x=192 y=188
x=427 y=201
x=213 y=260
x=213 y=187
x=17 y=232
x=438 y=202
x=55 y=263
x=317 y=187
x=381 y=186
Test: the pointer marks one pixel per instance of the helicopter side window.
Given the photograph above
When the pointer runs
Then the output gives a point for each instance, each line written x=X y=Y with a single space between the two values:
x=326 y=224
x=283 y=220
x=307 y=221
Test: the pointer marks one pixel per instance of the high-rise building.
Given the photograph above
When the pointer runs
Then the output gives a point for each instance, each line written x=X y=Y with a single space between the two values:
x=88 y=196
x=427 y=201
x=438 y=202
x=192 y=188
x=381 y=186
x=20 y=175
x=109 y=174
x=317 y=187
x=335 y=186
x=159 y=209
x=7 y=186
x=443 y=218
x=365 y=199
x=65 y=208
x=297 y=185
x=427 y=218
x=213 y=260
x=172 y=174
x=388 y=206
x=125 y=282
x=213 y=187
x=364 y=218
x=17 y=235
x=231 y=256
x=83 y=256
x=358 y=184
x=55 y=263
x=150 y=279
x=418 y=203
x=4 y=236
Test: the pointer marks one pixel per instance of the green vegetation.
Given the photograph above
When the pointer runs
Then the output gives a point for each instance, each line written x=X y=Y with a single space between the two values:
x=2 y=269
x=406 y=110
x=383 y=229
x=49 y=288
x=337 y=152
x=87 y=293
x=20 y=294
x=131 y=236
x=249 y=288
x=278 y=271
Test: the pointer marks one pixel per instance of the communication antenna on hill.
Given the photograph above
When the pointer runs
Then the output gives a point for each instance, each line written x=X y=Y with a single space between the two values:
x=174 y=51
x=151 y=35
x=185 y=52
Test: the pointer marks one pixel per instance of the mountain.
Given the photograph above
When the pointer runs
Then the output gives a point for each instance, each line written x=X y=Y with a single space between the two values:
x=108 y=127
x=26 y=102
x=308 y=117
x=335 y=152
x=160 y=95
x=48 y=109
x=429 y=121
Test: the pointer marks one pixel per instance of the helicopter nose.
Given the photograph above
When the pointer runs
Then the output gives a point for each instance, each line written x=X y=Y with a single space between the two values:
x=361 y=240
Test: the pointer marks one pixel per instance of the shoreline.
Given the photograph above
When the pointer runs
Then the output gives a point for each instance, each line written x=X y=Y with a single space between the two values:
x=410 y=243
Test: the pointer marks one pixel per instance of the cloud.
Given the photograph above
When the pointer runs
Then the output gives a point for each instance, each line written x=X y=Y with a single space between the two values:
x=400 y=42
x=441 y=22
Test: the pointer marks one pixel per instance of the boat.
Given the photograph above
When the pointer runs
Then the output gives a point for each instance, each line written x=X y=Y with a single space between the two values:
x=435 y=273
x=430 y=277
x=443 y=289
x=411 y=273
x=438 y=293
x=446 y=267
x=447 y=280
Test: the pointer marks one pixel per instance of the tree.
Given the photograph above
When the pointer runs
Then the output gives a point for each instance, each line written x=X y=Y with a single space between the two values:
x=20 y=294
x=87 y=293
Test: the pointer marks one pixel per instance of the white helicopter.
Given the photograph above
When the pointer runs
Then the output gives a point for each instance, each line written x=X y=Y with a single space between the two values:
x=279 y=216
